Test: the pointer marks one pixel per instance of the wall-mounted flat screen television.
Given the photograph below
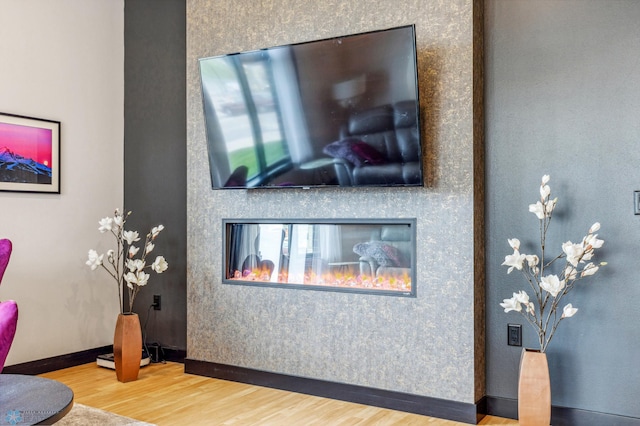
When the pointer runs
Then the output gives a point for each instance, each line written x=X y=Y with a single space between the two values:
x=338 y=112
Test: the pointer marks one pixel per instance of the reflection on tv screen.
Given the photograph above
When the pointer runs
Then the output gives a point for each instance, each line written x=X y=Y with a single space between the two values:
x=334 y=112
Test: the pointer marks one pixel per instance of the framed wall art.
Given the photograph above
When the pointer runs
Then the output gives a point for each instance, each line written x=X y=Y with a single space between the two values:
x=29 y=154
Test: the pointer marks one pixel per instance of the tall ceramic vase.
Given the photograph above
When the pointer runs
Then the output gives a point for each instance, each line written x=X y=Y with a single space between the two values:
x=534 y=389
x=127 y=347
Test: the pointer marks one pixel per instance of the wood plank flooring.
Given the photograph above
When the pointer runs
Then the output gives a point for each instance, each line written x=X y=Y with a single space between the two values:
x=164 y=395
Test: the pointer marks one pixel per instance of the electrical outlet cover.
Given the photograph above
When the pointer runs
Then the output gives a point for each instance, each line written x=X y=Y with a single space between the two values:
x=157 y=302
x=514 y=336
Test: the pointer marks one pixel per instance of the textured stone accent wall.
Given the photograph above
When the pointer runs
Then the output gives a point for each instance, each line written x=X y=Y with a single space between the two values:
x=426 y=345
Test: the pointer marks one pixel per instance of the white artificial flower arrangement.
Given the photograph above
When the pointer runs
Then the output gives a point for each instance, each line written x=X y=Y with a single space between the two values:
x=549 y=289
x=122 y=264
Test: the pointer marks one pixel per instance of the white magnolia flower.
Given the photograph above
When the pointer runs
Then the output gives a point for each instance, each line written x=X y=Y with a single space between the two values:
x=118 y=220
x=130 y=278
x=514 y=260
x=514 y=243
x=521 y=297
x=569 y=311
x=149 y=248
x=156 y=230
x=160 y=265
x=574 y=252
x=552 y=284
x=591 y=241
x=546 y=179
x=570 y=273
x=532 y=260
x=511 y=304
x=131 y=236
x=106 y=224
x=133 y=250
x=587 y=255
x=594 y=228
x=95 y=260
x=537 y=209
x=139 y=278
x=589 y=269
x=142 y=278
x=545 y=191
x=135 y=265
x=550 y=205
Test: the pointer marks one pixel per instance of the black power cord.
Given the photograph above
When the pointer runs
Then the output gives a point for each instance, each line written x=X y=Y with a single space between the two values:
x=144 y=336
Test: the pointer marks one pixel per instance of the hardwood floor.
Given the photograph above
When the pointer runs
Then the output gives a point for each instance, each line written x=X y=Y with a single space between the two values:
x=164 y=395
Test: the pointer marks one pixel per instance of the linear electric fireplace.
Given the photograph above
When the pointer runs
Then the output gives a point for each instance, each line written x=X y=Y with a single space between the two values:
x=364 y=255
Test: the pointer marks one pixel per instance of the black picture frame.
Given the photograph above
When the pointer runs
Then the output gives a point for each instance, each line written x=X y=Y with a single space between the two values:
x=29 y=154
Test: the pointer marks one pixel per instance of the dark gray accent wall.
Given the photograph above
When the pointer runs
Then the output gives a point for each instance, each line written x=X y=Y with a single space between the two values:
x=562 y=95
x=155 y=154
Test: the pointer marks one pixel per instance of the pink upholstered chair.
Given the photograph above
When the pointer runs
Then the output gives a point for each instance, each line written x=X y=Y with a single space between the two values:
x=8 y=308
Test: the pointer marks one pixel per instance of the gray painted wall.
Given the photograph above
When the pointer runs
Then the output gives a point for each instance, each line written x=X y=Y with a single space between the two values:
x=563 y=98
x=425 y=346
x=155 y=154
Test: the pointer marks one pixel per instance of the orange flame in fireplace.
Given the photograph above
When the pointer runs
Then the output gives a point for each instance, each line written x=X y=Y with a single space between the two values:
x=400 y=283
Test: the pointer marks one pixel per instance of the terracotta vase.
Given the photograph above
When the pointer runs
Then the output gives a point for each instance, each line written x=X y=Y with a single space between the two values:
x=534 y=389
x=127 y=347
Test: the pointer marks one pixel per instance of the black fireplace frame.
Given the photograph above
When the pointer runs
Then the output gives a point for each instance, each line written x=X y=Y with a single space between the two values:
x=367 y=224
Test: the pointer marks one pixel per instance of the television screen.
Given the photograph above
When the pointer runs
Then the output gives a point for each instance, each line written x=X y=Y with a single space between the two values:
x=337 y=112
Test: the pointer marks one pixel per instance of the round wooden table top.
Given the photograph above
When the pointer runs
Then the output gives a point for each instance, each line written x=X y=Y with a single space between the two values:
x=31 y=400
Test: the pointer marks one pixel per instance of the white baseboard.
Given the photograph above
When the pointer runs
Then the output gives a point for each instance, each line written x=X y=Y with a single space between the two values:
x=107 y=361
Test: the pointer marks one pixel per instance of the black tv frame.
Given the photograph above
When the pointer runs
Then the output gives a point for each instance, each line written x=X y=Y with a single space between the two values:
x=214 y=147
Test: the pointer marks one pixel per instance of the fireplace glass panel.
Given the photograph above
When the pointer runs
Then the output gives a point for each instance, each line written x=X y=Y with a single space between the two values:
x=373 y=256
